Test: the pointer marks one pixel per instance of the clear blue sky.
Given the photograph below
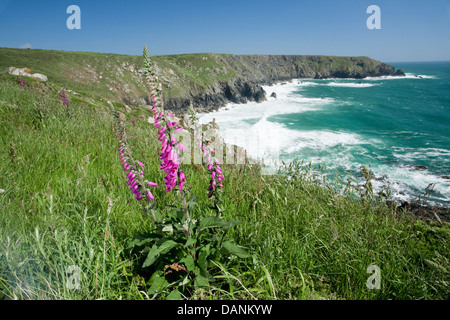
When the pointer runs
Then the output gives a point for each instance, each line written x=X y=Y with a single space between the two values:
x=410 y=30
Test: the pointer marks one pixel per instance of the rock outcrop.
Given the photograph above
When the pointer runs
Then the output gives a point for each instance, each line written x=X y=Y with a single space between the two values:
x=236 y=90
x=26 y=72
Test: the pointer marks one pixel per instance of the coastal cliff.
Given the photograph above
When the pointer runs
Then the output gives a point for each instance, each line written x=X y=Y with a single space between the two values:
x=246 y=74
x=206 y=80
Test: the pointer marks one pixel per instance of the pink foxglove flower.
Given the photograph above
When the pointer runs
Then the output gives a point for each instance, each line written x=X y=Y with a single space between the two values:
x=170 y=159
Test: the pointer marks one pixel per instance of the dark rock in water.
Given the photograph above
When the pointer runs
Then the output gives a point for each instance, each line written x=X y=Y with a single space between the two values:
x=434 y=213
x=420 y=167
x=380 y=178
x=404 y=204
x=273 y=95
x=446 y=177
x=318 y=77
x=399 y=73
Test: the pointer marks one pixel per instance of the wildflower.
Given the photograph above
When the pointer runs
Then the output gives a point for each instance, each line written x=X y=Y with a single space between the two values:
x=168 y=156
x=64 y=99
x=134 y=176
x=22 y=82
x=214 y=169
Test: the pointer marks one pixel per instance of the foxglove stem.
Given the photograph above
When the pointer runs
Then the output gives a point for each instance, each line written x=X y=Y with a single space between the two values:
x=214 y=168
x=169 y=156
x=64 y=99
x=133 y=169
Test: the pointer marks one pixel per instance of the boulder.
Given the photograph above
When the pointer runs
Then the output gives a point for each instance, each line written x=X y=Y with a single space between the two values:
x=399 y=73
x=26 y=73
x=420 y=167
x=273 y=95
x=38 y=76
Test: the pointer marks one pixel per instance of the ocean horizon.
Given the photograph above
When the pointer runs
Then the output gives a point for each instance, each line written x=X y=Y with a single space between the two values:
x=395 y=126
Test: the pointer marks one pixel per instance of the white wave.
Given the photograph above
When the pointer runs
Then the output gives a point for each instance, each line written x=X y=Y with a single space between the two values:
x=338 y=83
x=321 y=140
x=407 y=76
x=286 y=102
x=407 y=183
x=409 y=154
x=350 y=85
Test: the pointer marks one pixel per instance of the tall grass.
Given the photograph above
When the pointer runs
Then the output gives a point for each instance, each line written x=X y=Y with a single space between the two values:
x=65 y=204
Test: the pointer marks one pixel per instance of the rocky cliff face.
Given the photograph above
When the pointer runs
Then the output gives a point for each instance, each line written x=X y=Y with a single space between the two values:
x=237 y=90
x=252 y=71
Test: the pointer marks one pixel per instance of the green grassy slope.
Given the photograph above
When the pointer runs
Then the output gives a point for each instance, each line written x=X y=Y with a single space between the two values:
x=117 y=77
x=100 y=76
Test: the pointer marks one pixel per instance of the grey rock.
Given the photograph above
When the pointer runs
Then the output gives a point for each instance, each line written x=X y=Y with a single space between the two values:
x=22 y=72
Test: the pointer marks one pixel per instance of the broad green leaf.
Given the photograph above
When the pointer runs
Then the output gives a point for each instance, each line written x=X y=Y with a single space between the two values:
x=189 y=262
x=213 y=222
x=174 y=295
x=142 y=239
x=190 y=242
x=200 y=281
x=153 y=254
x=166 y=246
x=158 y=283
x=235 y=249
x=156 y=251
x=168 y=228
x=203 y=257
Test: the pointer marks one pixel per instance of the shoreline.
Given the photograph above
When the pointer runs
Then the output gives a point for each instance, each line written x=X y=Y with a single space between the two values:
x=435 y=210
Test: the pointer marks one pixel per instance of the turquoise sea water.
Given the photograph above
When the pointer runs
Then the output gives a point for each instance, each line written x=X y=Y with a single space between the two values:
x=391 y=124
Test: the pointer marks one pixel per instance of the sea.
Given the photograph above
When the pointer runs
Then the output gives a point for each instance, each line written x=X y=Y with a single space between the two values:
x=397 y=127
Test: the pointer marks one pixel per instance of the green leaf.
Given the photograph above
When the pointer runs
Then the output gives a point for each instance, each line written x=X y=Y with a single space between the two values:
x=174 y=295
x=185 y=281
x=167 y=245
x=158 y=283
x=213 y=222
x=203 y=258
x=190 y=242
x=153 y=254
x=235 y=249
x=200 y=281
x=141 y=240
x=189 y=262
x=168 y=228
